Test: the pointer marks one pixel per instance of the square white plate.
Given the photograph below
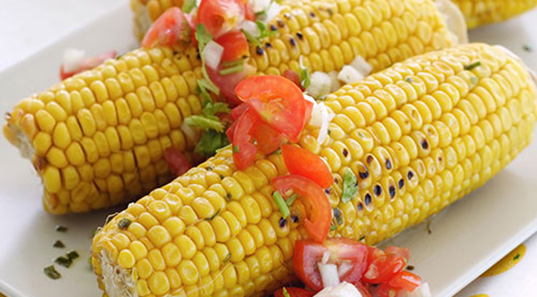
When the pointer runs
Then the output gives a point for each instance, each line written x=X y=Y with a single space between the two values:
x=466 y=239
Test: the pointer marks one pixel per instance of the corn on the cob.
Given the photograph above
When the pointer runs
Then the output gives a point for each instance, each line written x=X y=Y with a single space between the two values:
x=481 y=12
x=97 y=139
x=418 y=136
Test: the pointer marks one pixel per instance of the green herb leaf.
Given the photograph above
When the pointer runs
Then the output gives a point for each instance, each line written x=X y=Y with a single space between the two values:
x=124 y=223
x=202 y=37
x=63 y=261
x=472 y=66
x=51 y=272
x=231 y=70
x=210 y=142
x=285 y=293
x=527 y=48
x=227 y=258
x=235 y=149
x=350 y=186
x=333 y=227
x=188 y=5
x=72 y=255
x=264 y=32
x=60 y=228
x=280 y=202
x=213 y=216
x=291 y=199
x=58 y=244
x=304 y=75
x=207 y=83
x=211 y=109
x=205 y=122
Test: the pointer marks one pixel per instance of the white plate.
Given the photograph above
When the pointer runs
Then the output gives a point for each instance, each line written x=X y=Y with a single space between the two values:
x=466 y=239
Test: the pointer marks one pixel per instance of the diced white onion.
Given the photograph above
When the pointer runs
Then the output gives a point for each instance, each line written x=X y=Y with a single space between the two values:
x=325 y=120
x=422 y=291
x=198 y=2
x=329 y=274
x=326 y=257
x=342 y=290
x=72 y=59
x=273 y=10
x=212 y=54
x=344 y=267
x=251 y=28
x=349 y=75
x=361 y=65
x=335 y=81
x=320 y=85
x=260 y=5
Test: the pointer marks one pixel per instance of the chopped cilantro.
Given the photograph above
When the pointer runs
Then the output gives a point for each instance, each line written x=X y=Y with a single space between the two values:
x=207 y=83
x=72 y=255
x=304 y=75
x=527 y=48
x=333 y=227
x=472 y=66
x=214 y=108
x=285 y=293
x=235 y=149
x=409 y=79
x=124 y=223
x=58 y=244
x=62 y=229
x=516 y=257
x=264 y=32
x=51 y=272
x=205 y=122
x=63 y=261
x=211 y=142
x=202 y=37
x=188 y=5
x=231 y=70
x=282 y=206
x=291 y=199
x=350 y=186
x=227 y=258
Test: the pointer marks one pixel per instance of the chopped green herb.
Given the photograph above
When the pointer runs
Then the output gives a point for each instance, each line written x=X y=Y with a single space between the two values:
x=72 y=255
x=304 y=75
x=223 y=148
x=333 y=227
x=527 y=48
x=280 y=202
x=58 y=244
x=516 y=257
x=235 y=149
x=205 y=122
x=207 y=83
x=231 y=70
x=472 y=66
x=285 y=293
x=51 y=272
x=291 y=199
x=63 y=261
x=350 y=186
x=264 y=32
x=60 y=228
x=214 y=108
x=202 y=37
x=338 y=216
x=211 y=142
x=227 y=258
x=277 y=152
x=409 y=79
x=232 y=63
x=213 y=216
x=124 y=223
x=188 y=5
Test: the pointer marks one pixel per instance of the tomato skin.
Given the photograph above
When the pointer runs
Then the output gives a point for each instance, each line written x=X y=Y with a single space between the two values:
x=268 y=139
x=362 y=289
x=398 y=251
x=294 y=292
x=243 y=149
x=169 y=29
x=235 y=46
x=88 y=63
x=294 y=77
x=221 y=16
x=309 y=253
x=302 y=162
x=405 y=280
x=177 y=161
x=239 y=110
x=278 y=102
x=227 y=83
x=317 y=223
x=384 y=268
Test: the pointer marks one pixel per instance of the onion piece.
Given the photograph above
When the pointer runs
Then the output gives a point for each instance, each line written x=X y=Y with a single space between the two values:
x=361 y=65
x=342 y=290
x=260 y=5
x=273 y=10
x=72 y=59
x=250 y=28
x=329 y=274
x=335 y=81
x=320 y=85
x=212 y=54
x=349 y=75
x=422 y=291
x=325 y=120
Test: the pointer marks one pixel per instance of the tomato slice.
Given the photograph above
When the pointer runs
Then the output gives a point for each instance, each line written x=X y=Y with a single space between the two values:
x=277 y=100
x=227 y=83
x=398 y=251
x=221 y=16
x=384 y=268
x=239 y=110
x=87 y=64
x=309 y=253
x=235 y=46
x=169 y=29
x=268 y=139
x=294 y=77
x=302 y=162
x=243 y=149
x=405 y=280
x=294 y=292
x=177 y=161
x=319 y=212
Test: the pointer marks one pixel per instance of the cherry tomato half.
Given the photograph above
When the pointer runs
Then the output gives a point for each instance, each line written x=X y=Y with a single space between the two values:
x=235 y=46
x=227 y=83
x=277 y=100
x=319 y=212
x=302 y=162
x=268 y=139
x=169 y=29
x=294 y=292
x=243 y=149
x=221 y=16
x=177 y=161
x=405 y=280
x=384 y=268
x=87 y=64
x=309 y=253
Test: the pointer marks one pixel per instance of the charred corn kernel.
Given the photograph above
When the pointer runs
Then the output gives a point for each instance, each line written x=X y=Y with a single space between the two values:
x=479 y=13
x=145 y=95
x=246 y=246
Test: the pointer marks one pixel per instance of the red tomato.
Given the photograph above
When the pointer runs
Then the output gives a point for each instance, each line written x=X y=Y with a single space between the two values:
x=302 y=162
x=398 y=251
x=177 y=161
x=169 y=29
x=362 y=289
x=294 y=77
x=384 y=268
x=294 y=292
x=221 y=16
x=384 y=290
x=227 y=83
x=277 y=100
x=87 y=64
x=268 y=139
x=307 y=114
x=239 y=110
x=373 y=254
x=235 y=46
x=405 y=280
x=309 y=253
x=319 y=214
x=243 y=149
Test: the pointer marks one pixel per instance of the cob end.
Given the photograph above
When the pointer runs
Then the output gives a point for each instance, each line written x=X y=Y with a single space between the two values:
x=16 y=135
x=116 y=280
x=455 y=21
